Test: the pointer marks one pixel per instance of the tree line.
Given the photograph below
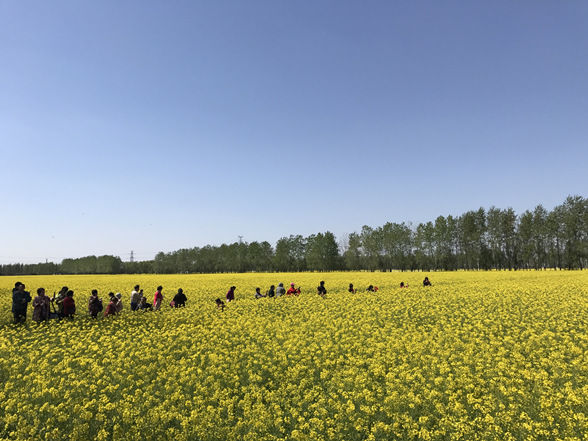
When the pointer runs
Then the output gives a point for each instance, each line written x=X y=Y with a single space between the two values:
x=479 y=239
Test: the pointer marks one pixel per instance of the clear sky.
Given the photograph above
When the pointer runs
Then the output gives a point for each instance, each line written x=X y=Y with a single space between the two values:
x=152 y=126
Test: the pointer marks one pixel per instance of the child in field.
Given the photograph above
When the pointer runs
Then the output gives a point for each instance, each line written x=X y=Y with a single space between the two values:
x=426 y=282
x=402 y=285
x=351 y=289
x=220 y=304
x=258 y=294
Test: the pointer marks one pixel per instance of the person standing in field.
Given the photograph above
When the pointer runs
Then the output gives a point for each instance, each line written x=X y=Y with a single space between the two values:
x=59 y=300
x=158 y=298
x=180 y=299
x=20 y=301
x=271 y=292
x=41 y=306
x=94 y=304
x=231 y=294
x=119 y=302
x=136 y=298
x=69 y=306
x=280 y=290
x=111 y=307
x=321 y=290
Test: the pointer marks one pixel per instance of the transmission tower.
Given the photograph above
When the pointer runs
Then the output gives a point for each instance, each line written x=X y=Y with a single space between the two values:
x=132 y=256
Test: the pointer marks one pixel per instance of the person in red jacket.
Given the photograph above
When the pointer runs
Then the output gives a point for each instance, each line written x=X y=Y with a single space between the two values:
x=69 y=306
x=157 y=298
x=292 y=291
x=111 y=308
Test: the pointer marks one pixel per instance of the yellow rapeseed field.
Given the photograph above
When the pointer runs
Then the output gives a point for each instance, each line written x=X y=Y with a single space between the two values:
x=477 y=356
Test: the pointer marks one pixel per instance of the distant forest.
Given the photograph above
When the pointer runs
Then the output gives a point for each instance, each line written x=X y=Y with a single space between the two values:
x=481 y=239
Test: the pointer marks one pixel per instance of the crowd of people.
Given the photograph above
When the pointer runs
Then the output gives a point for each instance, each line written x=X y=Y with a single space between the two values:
x=62 y=305
x=295 y=291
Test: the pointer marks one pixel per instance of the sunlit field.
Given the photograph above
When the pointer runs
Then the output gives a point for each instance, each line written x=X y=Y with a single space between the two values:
x=479 y=355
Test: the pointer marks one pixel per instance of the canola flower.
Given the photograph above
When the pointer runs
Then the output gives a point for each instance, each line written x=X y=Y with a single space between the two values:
x=477 y=356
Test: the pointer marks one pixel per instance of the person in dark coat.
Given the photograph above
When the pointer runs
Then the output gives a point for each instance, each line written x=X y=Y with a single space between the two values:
x=20 y=301
x=321 y=290
x=426 y=282
x=271 y=292
x=231 y=294
x=180 y=299
x=351 y=289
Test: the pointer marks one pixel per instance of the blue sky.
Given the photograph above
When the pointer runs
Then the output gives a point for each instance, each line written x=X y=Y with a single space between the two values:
x=149 y=126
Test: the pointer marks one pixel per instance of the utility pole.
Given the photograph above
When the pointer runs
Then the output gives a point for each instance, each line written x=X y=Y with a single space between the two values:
x=240 y=243
x=132 y=256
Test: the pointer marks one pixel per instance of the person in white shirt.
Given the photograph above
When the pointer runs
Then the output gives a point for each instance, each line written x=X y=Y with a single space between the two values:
x=136 y=298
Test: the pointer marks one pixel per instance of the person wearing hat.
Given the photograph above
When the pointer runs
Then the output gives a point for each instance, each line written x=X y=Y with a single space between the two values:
x=292 y=291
